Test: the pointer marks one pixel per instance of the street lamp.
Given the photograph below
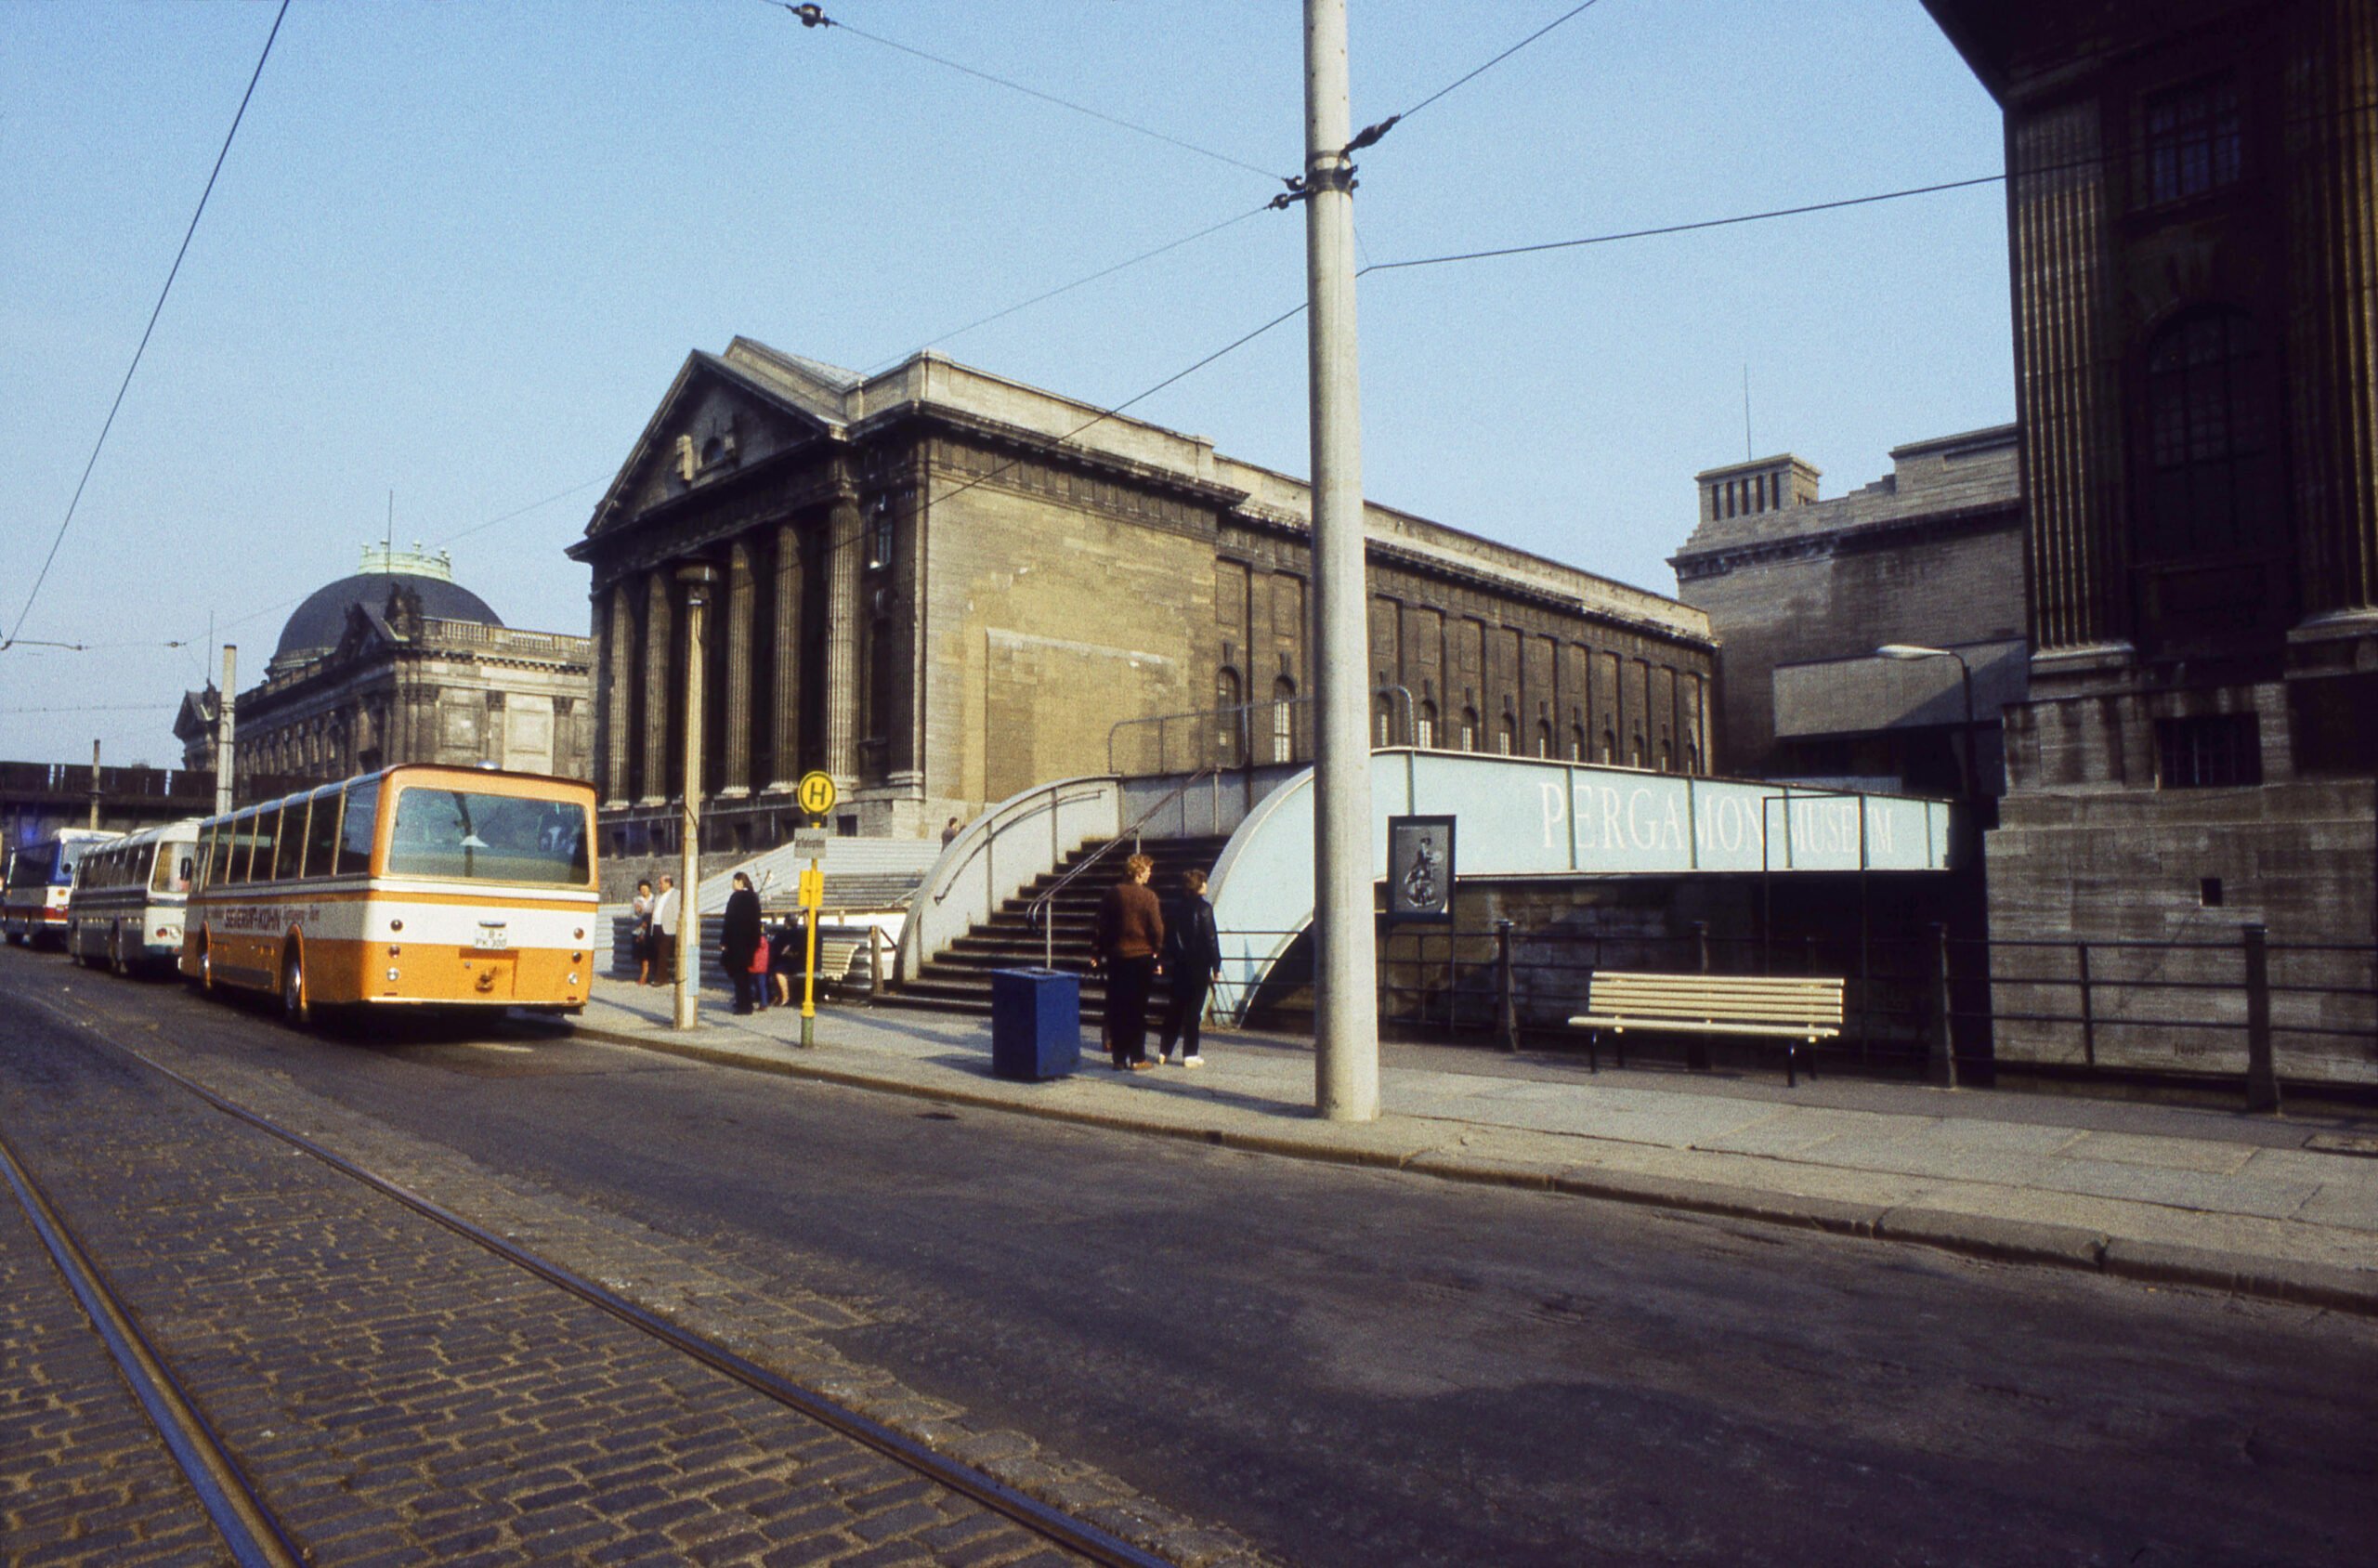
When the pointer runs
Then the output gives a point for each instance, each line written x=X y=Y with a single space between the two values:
x=1909 y=652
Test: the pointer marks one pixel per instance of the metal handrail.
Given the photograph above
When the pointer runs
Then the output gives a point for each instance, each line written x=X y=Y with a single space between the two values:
x=1038 y=915
x=1032 y=807
x=1245 y=730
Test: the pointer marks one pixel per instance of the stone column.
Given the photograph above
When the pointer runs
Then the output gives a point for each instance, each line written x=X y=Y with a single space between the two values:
x=843 y=543
x=617 y=656
x=786 y=697
x=734 y=777
x=659 y=637
x=2065 y=377
x=2332 y=246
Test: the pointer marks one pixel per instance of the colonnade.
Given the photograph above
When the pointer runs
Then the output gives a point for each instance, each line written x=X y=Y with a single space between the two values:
x=761 y=605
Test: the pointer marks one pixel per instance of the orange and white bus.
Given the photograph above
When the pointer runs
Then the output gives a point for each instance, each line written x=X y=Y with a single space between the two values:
x=40 y=879
x=415 y=885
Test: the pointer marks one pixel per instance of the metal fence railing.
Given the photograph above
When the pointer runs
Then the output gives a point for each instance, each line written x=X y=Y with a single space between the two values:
x=2219 y=1013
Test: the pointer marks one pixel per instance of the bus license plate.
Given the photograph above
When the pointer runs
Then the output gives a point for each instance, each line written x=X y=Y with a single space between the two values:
x=493 y=941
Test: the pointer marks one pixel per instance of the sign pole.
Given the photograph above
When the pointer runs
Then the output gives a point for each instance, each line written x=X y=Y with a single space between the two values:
x=815 y=795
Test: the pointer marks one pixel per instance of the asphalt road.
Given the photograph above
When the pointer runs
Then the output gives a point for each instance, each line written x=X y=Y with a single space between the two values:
x=1357 y=1366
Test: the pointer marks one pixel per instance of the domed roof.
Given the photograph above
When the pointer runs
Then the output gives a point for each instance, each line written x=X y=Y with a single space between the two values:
x=318 y=624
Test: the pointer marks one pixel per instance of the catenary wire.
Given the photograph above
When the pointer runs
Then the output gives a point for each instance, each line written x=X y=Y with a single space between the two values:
x=1068 y=287
x=814 y=16
x=109 y=424
x=1498 y=59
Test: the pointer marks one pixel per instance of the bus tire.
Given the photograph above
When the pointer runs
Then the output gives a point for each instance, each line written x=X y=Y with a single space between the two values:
x=294 y=1010
x=205 y=966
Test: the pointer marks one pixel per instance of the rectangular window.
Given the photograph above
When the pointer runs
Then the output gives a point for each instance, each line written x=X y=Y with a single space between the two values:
x=2208 y=752
x=176 y=863
x=290 y=851
x=240 y=834
x=265 y=830
x=460 y=833
x=2194 y=142
x=355 y=836
x=321 y=835
x=206 y=854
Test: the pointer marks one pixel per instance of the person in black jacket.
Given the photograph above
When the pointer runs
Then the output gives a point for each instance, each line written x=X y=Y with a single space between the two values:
x=1193 y=961
x=740 y=941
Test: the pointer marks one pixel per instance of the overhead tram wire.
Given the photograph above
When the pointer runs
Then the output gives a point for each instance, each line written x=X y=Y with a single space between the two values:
x=814 y=16
x=43 y=576
x=1068 y=287
x=1370 y=134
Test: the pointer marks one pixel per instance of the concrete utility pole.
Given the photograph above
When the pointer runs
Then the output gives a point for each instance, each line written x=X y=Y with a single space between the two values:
x=95 y=783
x=698 y=581
x=223 y=728
x=1345 y=946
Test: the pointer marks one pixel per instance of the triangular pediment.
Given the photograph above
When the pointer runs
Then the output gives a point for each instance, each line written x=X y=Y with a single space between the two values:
x=721 y=416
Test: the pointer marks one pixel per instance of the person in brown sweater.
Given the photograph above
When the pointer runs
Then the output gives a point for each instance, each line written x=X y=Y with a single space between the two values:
x=1125 y=942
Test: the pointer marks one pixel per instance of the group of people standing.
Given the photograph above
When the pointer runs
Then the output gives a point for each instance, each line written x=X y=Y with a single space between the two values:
x=1137 y=938
x=760 y=961
x=655 y=937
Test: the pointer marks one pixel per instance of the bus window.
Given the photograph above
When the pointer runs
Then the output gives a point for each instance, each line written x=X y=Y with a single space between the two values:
x=355 y=836
x=292 y=847
x=322 y=834
x=172 y=873
x=243 y=843
x=488 y=838
x=142 y=861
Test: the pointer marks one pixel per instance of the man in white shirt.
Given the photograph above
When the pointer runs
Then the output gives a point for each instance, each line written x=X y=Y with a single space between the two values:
x=664 y=933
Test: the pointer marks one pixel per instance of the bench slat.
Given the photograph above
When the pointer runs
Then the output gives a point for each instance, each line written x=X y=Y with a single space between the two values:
x=1698 y=1026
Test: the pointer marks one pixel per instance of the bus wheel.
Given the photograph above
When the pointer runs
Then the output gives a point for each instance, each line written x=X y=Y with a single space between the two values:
x=206 y=966
x=116 y=960
x=293 y=991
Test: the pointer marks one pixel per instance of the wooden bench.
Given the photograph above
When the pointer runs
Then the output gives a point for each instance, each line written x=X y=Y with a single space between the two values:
x=1796 y=1009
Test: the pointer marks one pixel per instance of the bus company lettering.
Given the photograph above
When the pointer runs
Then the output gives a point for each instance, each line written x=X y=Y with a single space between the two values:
x=270 y=917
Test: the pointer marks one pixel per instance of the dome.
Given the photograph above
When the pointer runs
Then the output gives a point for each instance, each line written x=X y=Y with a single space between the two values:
x=317 y=625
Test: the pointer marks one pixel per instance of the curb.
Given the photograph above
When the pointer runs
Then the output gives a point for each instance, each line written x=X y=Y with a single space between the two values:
x=1989 y=1238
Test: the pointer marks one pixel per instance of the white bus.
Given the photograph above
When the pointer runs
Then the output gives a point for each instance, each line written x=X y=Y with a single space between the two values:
x=126 y=906
x=32 y=905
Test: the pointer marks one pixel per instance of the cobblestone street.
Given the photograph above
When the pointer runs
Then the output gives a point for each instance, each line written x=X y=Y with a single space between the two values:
x=397 y=1394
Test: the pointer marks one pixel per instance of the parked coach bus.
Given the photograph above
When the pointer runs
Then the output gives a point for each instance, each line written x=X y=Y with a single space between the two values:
x=125 y=909
x=32 y=906
x=414 y=885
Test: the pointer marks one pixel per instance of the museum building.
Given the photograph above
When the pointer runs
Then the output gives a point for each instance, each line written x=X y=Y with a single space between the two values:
x=399 y=663
x=942 y=588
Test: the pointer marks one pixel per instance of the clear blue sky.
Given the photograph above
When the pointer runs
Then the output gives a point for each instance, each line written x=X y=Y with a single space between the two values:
x=459 y=250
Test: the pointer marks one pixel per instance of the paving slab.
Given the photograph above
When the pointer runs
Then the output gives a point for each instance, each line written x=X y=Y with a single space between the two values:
x=2237 y=1202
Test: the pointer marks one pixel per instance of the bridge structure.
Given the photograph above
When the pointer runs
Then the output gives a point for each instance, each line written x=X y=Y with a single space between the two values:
x=1515 y=817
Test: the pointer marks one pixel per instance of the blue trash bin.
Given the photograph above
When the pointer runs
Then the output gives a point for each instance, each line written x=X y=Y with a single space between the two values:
x=1036 y=1024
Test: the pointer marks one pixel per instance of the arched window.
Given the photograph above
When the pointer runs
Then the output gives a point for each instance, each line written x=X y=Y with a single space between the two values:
x=1609 y=746
x=1576 y=743
x=2210 y=488
x=1635 y=751
x=1469 y=729
x=1543 y=739
x=1692 y=757
x=1284 y=720
x=1427 y=736
x=1668 y=757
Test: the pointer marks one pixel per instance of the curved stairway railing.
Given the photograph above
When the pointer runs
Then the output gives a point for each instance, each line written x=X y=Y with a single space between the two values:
x=999 y=854
x=1038 y=916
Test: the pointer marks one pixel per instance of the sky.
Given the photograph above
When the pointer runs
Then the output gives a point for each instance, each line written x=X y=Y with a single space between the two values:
x=457 y=252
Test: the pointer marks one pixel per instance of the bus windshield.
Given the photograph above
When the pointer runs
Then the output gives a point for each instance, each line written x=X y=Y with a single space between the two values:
x=460 y=833
x=30 y=867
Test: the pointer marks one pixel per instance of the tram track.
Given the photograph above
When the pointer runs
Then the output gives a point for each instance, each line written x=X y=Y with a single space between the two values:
x=233 y=1500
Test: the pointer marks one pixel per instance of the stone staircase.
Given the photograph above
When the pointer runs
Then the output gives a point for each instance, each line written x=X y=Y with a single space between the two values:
x=959 y=979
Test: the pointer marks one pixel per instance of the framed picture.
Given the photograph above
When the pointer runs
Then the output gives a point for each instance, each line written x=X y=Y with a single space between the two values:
x=1419 y=869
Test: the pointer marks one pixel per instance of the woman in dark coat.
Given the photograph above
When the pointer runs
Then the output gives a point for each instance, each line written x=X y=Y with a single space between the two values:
x=1124 y=942
x=1193 y=961
x=741 y=940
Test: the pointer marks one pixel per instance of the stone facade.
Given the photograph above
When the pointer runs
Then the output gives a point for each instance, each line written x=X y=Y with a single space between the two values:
x=400 y=685
x=2193 y=214
x=941 y=588
x=1801 y=591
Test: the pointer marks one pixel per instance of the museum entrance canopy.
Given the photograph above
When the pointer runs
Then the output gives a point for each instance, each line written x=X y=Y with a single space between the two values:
x=1517 y=816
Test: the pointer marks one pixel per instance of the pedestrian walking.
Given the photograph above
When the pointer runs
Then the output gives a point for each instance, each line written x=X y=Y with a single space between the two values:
x=640 y=933
x=1192 y=961
x=949 y=833
x=1125 y=942
x=740 y=939
x=664 y=933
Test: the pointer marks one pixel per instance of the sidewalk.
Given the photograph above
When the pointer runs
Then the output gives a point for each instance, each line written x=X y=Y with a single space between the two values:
x=2275 y=1206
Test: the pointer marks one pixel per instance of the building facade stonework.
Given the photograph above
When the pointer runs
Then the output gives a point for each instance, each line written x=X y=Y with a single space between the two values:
x=1802 y=591
x=943 y=588
x=2193 y=213
x=400 y=664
